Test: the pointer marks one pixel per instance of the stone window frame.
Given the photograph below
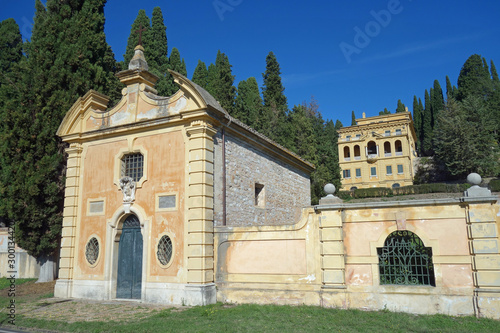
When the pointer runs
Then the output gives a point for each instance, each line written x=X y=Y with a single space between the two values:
x=118 y=164
x=99 y=242
x=91 y=200
x=157 y=201
x=169 y=235
x=388 y=170
x=374 y=175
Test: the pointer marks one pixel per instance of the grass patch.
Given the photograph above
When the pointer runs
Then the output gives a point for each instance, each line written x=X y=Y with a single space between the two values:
x=260 y=318
x=5 y=283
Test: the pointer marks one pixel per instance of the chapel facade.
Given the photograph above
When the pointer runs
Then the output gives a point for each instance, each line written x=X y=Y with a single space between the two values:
x=378 y=152
x=147 y=181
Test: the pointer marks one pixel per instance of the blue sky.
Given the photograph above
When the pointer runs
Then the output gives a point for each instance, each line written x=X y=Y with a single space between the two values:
x=349 y=55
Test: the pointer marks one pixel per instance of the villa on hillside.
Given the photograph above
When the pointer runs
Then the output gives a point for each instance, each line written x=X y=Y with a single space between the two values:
x=378 y=152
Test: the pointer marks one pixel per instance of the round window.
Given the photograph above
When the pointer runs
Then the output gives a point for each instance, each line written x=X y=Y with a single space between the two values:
x=92 y=250
x=164 y=252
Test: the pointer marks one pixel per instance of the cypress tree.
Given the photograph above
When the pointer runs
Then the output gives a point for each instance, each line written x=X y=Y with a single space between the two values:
x=140 y=22
x=158 y=60
x=449 y=89
x=401 y=107
x=248 y=102
x=67 y=56
x=427 y=126
x=494 y=74
x=437 y=101
x=200 y=74
x=11 y=45
x=381 y=113
x=225 y=92
x=338 y=125
x=474 y=79
x=275 y=102
x=175 y=64
x=417 y=119
x=211 y=79
x=353 y=119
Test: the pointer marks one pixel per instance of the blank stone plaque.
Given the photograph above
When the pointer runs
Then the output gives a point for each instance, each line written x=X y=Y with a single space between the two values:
x=166 y=201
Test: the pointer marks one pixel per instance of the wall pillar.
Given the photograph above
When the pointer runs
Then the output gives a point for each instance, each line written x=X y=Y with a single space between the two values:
x=482 y=227
x=68 y=240
x=200 y=215
x=332 y=249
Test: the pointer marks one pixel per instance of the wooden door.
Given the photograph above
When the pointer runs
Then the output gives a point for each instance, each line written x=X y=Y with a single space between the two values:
x=129 y=279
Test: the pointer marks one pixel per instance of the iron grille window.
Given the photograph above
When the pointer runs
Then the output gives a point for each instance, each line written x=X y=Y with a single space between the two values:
x=92 y=250
x=132 y=166
x=164 y=252
x=404 y=260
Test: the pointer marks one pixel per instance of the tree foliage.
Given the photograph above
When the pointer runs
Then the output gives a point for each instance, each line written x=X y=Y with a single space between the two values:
x=465 y=141
x=248 y=103
x=401 y=107
x=67 y=56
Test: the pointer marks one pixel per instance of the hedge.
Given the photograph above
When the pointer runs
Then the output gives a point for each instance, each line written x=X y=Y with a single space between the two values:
x=373 y=192
x=495 y=185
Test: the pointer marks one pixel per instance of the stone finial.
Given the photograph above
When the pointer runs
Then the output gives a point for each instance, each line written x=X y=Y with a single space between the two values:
x=330 y=199
x=475 y=190
x=138 y=61
x=329 y=189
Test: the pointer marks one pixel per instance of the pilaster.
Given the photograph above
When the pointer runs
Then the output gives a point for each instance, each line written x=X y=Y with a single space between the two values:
x=68 y=241
x=200 y=203
x=332 y=249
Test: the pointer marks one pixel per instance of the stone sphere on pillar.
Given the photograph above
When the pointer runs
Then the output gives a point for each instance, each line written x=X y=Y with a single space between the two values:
x=329 y=189
x=474 y=179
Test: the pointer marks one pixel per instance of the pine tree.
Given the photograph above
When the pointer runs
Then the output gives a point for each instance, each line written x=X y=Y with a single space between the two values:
x=401 y=107
x=200 y=74
x=353 y=119
x=427 y=126
x=381 y=113
x=67 y=56
x=338 y=125
x=417 y=120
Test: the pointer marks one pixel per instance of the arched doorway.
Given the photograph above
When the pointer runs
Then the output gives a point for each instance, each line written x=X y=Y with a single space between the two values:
x=129 y=278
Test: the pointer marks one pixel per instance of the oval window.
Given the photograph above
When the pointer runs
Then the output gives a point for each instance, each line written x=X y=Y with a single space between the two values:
x=92 y=251
x=164 y=252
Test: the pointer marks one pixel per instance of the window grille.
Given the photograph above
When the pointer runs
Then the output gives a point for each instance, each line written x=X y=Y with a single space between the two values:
x=131 y=221
x=164 y=252
x=92 y=250
x=132 y=166
x=404 y=260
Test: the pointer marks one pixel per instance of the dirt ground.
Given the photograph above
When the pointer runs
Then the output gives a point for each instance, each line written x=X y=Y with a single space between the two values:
x=32 y=302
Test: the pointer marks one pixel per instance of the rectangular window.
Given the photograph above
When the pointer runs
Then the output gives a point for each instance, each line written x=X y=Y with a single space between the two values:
x=358 y=173
x=389 y=169
x=347 y=173
x=387 y=133
x=373 y=171
x=132 y=166
x=358 y=136
x=400 y=169
x=259 y=195
x=398 y=132
x=348 y=138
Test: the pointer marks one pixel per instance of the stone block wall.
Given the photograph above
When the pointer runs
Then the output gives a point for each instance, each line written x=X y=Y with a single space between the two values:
x=285 y=189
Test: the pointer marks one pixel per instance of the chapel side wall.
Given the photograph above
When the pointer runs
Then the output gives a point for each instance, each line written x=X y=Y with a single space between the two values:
x=286 y=188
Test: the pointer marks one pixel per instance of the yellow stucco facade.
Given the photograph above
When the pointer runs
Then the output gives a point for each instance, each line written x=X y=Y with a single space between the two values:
x=378 y=152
